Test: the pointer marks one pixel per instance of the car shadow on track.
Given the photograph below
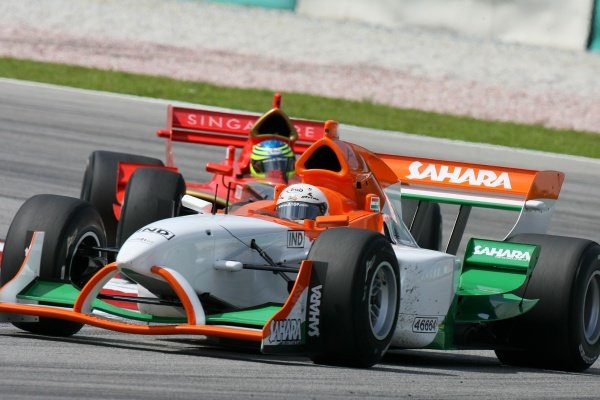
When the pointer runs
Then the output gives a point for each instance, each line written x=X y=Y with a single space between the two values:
x=464 y=361
x=395 y=361
x=190 y=347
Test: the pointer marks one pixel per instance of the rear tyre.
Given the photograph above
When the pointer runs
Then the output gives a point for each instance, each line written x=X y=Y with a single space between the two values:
x=562 y=331
x=70 y=225
x=99 y=185
x=152 y=194
x=360 y=297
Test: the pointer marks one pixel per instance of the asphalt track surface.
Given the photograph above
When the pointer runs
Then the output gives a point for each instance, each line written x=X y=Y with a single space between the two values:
x=46 y=135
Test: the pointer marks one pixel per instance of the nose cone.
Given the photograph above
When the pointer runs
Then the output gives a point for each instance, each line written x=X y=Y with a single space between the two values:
x=159 y=242
x=136 y=254
x=140 y=250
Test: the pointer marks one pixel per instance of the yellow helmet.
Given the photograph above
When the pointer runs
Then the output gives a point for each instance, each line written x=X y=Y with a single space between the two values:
x=272 y=155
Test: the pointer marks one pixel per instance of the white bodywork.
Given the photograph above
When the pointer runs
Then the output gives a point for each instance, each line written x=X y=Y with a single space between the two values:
x=207 y=250
x=428 y=281
x=198 y=246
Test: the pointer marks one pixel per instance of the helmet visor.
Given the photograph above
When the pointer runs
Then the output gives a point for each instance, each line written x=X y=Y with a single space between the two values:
x=298 y=210
x=284 y=164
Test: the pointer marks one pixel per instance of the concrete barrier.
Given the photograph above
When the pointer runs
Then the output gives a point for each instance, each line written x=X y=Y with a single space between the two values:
x=558 y=23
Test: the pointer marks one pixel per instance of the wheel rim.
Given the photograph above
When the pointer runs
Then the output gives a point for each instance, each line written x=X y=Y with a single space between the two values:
x=591 y=310
x=383 y=295
x=81 y=260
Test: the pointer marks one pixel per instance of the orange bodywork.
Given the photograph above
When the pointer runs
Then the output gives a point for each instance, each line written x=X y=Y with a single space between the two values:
x=339 y=169
x=125 y=327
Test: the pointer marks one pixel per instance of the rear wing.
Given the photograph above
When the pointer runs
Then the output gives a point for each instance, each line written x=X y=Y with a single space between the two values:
x=532 y=193
x=217 y=128
x=474 y=184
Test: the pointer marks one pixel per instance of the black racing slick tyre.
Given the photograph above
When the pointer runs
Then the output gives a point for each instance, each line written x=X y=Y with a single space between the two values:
x=70 y=226
x=152 y=194
x=360 y=297
x=562 y=331
x=428 y=234
x=99 y=186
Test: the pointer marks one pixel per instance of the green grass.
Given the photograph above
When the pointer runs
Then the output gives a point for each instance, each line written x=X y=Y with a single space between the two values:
x=360 y=113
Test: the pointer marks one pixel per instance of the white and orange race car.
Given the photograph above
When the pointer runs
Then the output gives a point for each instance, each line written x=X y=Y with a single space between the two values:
x=326 y=267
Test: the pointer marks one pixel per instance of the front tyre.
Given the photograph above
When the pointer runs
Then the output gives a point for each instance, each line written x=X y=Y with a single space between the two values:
x=72 y=227
x=360 y=297
x=152 y=194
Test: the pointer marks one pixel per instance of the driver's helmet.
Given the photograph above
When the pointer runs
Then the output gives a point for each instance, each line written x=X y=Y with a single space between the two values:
x=272 y=158
x=301 y=201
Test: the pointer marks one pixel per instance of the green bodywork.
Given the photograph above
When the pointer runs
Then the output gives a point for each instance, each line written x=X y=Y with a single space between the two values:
x=65 y=294
x=491 y=271
x=492 y=267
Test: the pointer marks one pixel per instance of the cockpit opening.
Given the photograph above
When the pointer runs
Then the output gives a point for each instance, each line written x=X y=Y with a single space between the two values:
x=323 y=158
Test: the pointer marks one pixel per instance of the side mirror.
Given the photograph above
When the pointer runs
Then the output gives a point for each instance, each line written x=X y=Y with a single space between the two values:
x=331 y=221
